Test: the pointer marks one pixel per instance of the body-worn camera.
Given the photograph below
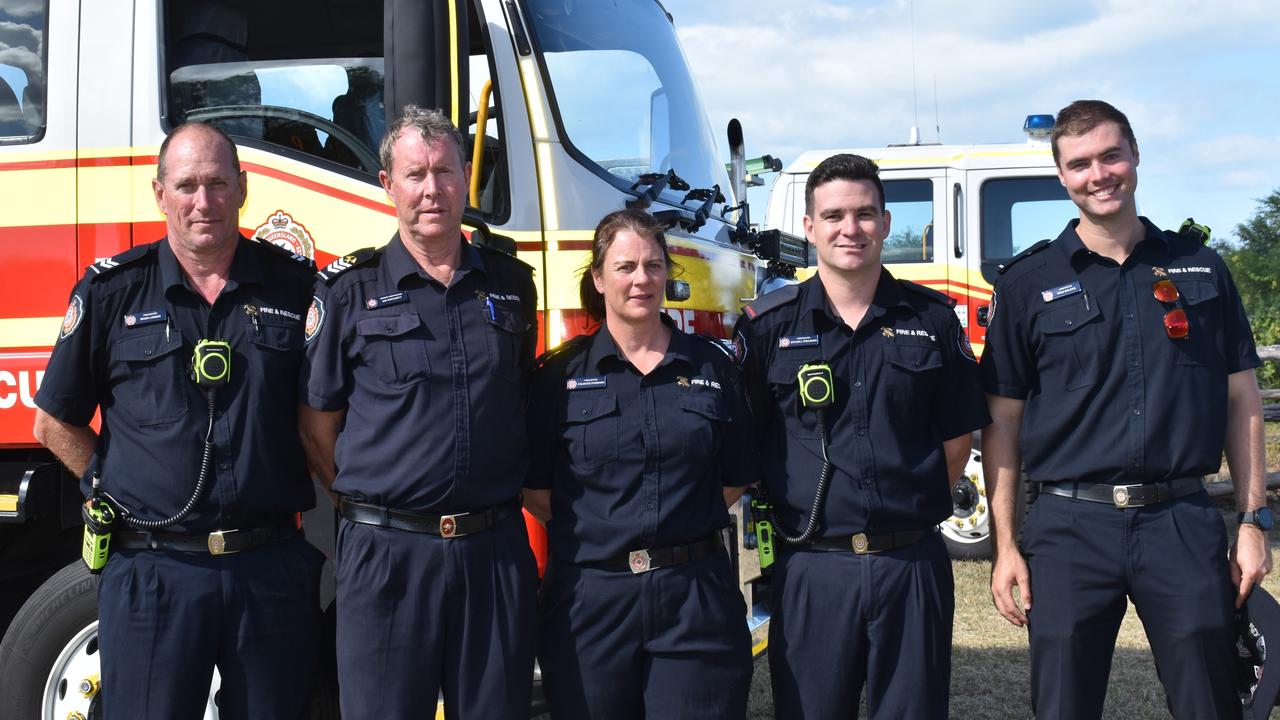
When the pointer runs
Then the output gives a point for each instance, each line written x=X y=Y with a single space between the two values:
x=817 y=388
x=211 y=363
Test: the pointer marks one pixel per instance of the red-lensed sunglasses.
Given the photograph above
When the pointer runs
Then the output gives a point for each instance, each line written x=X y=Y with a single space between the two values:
x=1176 y=324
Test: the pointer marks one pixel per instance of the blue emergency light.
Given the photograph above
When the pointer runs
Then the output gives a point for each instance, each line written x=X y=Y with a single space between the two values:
x=1038 y=127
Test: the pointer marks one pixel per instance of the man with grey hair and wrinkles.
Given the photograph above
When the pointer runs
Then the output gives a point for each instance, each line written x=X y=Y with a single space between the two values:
x=414 y=387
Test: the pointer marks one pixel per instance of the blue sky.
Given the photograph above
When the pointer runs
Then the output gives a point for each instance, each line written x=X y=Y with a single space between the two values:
x=1200 y=82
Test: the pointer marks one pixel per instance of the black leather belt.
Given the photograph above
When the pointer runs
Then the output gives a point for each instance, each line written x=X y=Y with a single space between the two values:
x=642 y=561
x=864 y=543
x=1126 y=496
x=218 y=542
x=447 y=526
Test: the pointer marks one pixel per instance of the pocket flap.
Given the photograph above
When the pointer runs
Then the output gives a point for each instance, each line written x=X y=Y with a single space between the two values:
x=1068 y=318
x=1194 y=292
x=146 y=348
x=707 y=404
x=914 y=358
x=586 y=406
x=508 y=318
x=388 y=325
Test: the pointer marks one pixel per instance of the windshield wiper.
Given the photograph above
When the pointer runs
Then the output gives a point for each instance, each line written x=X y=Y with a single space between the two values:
x=654 y=184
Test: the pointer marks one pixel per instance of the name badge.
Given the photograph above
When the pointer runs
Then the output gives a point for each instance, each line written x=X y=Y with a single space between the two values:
x=1061 y=291
x=385 y=300
x=147 y=317
x=795 y=341
x=585 y=383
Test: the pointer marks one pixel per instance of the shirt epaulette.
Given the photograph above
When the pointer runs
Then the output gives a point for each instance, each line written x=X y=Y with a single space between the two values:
x=772 y=301
x=109 y=265
x=928 y=292
x=721 y=344
x=503 y=255
x=281 y=250
x=1037 y=247
x=346 y=262
x=573 y=345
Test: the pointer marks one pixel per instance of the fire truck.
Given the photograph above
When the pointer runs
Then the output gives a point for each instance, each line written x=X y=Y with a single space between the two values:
x=959 y=212
x=572 y=109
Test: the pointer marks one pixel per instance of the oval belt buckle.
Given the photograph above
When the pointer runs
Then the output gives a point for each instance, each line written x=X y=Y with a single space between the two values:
x=860 y=543
x=218 y=542
x=448 y=526
x=1120 y=496
x=638 y=561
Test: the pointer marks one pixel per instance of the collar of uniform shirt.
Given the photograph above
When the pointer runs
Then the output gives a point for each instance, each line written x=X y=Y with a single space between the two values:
x=1070 y=243
x=400 y=264
x=603 y=346
x=888 y=294
x=243 y=269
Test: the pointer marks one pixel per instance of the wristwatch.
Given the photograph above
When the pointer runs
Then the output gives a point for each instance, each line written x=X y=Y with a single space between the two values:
x=1261 y=517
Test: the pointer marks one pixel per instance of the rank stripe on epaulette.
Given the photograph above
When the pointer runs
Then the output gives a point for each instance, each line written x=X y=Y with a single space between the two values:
x=106 y=264
x=345 y=262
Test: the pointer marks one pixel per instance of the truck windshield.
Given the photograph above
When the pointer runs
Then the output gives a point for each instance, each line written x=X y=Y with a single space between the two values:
x=622 y=89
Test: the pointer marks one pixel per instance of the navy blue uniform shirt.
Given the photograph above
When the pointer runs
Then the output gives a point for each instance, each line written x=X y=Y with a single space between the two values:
x=1110 y=397
x=434 y=379
x=905 y=381
x=126 y=347
x=637 y=461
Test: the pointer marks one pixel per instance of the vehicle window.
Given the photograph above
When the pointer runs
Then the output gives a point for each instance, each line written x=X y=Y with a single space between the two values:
x=304 y=76
x=23 y=60
x=1018 y=212
x=489 y=181
x=910 y=205
x=623 y=94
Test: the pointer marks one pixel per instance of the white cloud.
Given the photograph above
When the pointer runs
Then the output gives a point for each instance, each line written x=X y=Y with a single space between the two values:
x=23 y=8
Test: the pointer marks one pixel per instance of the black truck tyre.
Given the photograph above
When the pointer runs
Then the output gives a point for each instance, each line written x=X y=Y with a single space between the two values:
x=54 y=626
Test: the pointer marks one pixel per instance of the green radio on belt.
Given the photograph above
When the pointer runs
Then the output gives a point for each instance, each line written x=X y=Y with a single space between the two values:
x=99 y=517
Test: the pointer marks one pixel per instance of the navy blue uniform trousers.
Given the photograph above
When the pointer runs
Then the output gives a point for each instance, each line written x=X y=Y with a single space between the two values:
x=420 y=614
x=1171 y=559
x=669 y=643
x=166 y=618
x=842 y=619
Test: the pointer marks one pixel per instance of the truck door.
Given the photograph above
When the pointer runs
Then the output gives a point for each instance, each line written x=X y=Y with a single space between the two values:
x=38 y=196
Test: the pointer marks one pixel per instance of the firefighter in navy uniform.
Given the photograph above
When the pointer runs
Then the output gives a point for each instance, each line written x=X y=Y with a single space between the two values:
x=417 y=375
x=639 y=436
x=232 y=583
x=1118 y=361
x=863 y=591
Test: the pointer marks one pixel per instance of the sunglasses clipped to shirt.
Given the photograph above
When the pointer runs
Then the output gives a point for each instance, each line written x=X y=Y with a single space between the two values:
x=1176 y=324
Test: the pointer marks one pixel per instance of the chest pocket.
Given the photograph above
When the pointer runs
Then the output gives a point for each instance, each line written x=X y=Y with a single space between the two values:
x=1071 y=353
x=785 y=388
x=591 y=428
x=148 y=376
x=909 y=376
x=1205 y=317
x=700 y=422
x=276 y=333
x=394 y=348
x=506 y=326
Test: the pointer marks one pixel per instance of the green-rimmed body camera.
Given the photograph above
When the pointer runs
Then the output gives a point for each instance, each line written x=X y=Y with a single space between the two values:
x=817 y=388
x=211 y=363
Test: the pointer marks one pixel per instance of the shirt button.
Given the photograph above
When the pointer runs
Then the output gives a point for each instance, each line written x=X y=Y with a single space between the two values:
x=857 y=383
x=652 y=505
x=1129 y=315
x=146 y=352
x=387 y=327
x=862 y=432
x=1068 y=322
x=1137 y=412
x=224 y=467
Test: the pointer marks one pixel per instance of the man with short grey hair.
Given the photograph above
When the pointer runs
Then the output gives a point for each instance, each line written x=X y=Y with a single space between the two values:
x=417 y=371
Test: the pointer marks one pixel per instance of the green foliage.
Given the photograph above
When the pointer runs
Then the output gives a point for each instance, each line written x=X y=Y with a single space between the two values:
x=1254 y=259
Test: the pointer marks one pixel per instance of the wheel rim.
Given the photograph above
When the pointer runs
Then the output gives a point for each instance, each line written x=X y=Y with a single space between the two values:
x=973 y=526
x=79 y=661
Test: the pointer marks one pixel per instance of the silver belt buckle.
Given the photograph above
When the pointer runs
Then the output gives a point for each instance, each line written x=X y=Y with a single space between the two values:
x=218 y=542
x=449 y=525
x=638 y=561
x=860 y=543
x=1120 y=495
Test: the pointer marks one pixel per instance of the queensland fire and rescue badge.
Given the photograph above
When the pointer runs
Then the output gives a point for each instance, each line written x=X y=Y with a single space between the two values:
x=71 y=321
x=282 y=230
x=962 y=340
x=315 y=320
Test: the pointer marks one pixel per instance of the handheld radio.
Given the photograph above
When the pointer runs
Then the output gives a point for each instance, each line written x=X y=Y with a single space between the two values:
x=99 y=518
